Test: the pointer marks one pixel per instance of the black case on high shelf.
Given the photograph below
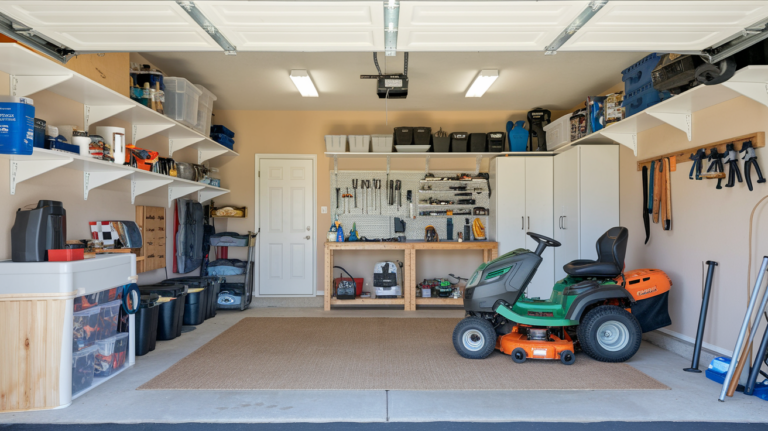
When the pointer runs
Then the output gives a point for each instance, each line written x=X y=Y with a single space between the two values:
x=441 y=144
x=403 y=135
x=496 y=141
x=422 y=136
x=459 y=142
x=478 y=143
x=171 y=315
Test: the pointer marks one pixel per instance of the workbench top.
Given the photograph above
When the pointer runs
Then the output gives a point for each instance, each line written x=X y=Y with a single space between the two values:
x=413 y=245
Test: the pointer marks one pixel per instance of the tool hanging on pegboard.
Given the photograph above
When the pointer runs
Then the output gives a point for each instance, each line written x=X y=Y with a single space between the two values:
x=355 y=182
x=398 y=187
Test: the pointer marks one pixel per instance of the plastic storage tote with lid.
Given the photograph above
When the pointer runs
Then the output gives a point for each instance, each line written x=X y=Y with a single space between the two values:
x=104 y=357
x=181 y=101
x=204 y=110
x=171 y=303
x=82 y=369
x=85 y=328
x=109 y=313
x=121 y=350
x=195 y=306
x=211 y=283
x=146 y=324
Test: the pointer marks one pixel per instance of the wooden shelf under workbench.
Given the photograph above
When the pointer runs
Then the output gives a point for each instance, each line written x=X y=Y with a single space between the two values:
x=409 y=300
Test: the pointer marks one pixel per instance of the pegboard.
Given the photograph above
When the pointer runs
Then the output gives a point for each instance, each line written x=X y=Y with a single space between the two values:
x=380 y=223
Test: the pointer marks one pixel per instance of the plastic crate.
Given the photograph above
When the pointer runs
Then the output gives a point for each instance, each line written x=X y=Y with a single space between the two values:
x=382 y=143
x=82 y=369
x=105 y=350
x=642 y=98
x=108 y=316
x=121 y=350
x=558 y=132
x=218 y=128
x=85 y=328
x=638 y=75
x=204 y=110
x=223 y=140
x=181 y=101
x=335 y=143
x=359 y=143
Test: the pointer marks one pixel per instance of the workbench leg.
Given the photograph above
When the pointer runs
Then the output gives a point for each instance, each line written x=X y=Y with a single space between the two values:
x=486 y=255
x=410 y=271
x=494 y=253
x=328 y=279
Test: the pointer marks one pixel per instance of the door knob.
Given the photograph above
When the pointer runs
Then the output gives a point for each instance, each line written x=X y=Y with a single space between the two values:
x=308 y=229
x=307 y=237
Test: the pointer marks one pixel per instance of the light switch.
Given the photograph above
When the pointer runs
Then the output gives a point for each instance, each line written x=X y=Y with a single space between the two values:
x=323 y=210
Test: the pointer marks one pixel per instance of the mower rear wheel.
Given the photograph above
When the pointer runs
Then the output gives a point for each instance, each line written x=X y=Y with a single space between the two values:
x=567 y=357
x=518 y=355
x=610 y=334
x=474 y=338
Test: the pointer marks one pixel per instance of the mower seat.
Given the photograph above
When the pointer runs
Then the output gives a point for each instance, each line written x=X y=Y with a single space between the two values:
x=611 y=249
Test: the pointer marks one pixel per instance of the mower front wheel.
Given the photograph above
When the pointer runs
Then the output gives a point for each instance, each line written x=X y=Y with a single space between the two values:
x=474 y=338
x=518 y=355
x=567 y=357
x=610 y=334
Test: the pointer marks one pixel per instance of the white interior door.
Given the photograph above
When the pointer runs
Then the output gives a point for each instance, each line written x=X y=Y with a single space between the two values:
x=509 y=197
x=539 y=218
x=286 y=190
x=566 y=209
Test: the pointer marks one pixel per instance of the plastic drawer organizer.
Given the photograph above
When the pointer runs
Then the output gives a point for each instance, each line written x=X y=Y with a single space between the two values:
x=69 y=326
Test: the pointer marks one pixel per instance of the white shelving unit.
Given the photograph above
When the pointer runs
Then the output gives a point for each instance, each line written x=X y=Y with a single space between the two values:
x=30 y=73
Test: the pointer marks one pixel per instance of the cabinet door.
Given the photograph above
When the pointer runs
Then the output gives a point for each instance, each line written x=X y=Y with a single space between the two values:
x=566 y=199
x=599 y=195
x=509 y=197
x=539 y=218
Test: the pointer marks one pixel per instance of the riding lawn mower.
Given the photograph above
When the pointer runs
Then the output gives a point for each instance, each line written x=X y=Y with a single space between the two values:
x=596 y=307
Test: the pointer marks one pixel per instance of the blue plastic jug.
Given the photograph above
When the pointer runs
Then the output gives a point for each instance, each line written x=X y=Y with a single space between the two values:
x=518 y=136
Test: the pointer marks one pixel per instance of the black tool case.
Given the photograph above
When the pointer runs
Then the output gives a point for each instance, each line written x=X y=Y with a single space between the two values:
x=496 y=141
x=478 y=142
x=459 y=142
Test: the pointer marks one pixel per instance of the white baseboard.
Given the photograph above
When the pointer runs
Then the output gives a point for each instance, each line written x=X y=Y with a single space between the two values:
x=692 y=341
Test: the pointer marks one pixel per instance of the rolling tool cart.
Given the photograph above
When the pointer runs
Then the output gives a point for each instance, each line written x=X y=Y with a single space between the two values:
x=236 y=291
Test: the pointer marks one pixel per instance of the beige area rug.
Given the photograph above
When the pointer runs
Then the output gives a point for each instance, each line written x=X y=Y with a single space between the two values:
x=373 y=354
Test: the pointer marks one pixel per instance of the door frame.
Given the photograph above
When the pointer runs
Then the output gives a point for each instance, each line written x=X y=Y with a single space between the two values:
x=257 y=222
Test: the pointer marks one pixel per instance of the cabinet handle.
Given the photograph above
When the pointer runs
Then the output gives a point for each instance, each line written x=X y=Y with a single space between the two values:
x=560 y=222
x=522 y=219
x=564 y=222
x=529 y=223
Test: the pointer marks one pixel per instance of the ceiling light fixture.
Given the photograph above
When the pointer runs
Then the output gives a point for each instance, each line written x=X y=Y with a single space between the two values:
x=303 y=83
x=482 y=83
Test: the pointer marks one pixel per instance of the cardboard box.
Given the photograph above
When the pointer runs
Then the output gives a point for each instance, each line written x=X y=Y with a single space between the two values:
x=613 y=110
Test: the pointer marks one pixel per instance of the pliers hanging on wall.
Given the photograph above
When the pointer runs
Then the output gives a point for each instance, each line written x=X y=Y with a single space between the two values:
x=716 y=165
x=732 y=159
x=750 y=159
x=698 y=158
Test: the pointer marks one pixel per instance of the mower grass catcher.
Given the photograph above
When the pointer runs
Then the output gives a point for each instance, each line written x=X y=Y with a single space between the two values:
x=596 y=307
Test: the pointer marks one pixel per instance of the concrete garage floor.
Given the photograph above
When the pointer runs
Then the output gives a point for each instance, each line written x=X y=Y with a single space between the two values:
x=692 y=397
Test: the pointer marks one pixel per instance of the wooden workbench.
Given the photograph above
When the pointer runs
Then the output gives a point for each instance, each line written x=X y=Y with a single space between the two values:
x=409 y=300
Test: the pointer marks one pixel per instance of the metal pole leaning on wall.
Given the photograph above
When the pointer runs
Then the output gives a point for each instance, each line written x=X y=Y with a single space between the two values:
x=702 y=319
x=737 y=351
x=749 y=388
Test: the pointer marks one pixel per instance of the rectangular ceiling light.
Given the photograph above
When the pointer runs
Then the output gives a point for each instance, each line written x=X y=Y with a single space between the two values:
x=303 y=83
x=482 y=83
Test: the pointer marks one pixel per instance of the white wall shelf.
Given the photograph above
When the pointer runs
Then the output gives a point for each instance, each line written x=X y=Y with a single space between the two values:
x=31 y=73
x=99 y=172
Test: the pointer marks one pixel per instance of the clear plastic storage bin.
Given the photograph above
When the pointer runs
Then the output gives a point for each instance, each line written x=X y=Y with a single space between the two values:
x=359 y=143
x=558 y=132
x=335 y=143
x=85 y=328
x=108 y=315
x=204 y=110
x=181 y=101
x=382 y=143
x=121 y=351
x=82 y=369
x=104 y=360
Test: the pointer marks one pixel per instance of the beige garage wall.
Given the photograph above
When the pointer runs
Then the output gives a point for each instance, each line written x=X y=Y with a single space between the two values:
x=708 y=224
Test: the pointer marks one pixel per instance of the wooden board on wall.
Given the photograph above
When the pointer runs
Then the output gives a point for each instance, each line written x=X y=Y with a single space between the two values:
x=151 y=221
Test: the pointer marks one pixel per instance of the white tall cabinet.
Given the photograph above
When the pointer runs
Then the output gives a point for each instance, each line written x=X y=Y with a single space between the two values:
x=586 y=200
x=522 y=202
x=572 y=197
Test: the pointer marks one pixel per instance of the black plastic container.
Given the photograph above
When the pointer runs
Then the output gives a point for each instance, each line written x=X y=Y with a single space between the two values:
x=459 y=142
x=403 y=135
x=212 y=285
x=171 y=314
x=195 y=306
x=422 y=136
x=441 y=144
x=478 y=143
x=146 y=324
x=496 y=141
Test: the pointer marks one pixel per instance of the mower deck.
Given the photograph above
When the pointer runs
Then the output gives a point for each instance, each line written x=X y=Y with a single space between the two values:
x=536 y=349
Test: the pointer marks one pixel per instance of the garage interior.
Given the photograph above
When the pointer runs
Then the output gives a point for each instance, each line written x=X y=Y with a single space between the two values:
x=285 y=206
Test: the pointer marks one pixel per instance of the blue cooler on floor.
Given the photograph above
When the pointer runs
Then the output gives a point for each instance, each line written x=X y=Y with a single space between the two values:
x=17 y=125
x=761 y=390
x=718 y=368
x=642 y=98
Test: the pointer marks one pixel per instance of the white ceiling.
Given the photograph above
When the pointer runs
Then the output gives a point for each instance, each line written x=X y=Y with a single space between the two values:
x=345 y=25
x=438 y=81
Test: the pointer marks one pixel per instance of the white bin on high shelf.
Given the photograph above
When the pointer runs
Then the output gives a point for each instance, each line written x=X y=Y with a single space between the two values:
x=181 y=101
x=335 y=143
x=382 y=143
x=359 y=143
x=558 y=132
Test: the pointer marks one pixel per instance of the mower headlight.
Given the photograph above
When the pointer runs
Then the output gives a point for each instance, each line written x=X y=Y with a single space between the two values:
x=475 y=279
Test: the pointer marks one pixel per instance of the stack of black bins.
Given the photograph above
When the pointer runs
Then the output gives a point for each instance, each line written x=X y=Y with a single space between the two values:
x=199 y=305
x=146 y=324
x=171 y=314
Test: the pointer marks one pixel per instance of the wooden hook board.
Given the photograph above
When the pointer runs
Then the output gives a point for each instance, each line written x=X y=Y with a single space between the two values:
x=683 y=156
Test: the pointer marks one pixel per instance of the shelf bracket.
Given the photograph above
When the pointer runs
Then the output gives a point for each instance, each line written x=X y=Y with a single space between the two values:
x=757 y=91
x=478 y=159
x=22 y=86
x=91 y=180
x=22 y=170
x=94 y=114
x=208 y=194
x=389 y=160
x=178 y=144
x=203 y=155
x=426 y=166
x=680 y=121
x=177 y=191
x=139 y=187
x=336 y=165
x=141 y=131
x=629 y=140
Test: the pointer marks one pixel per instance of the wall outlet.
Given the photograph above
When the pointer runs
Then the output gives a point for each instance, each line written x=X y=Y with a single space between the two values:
x=323 y=210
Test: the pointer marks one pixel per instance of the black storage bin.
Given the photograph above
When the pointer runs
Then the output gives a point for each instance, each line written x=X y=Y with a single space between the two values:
x=171 y=314
x=441 y=144
x=146 y=324
x=195 y=306
x=478 y=143
x=211 y=284
x=403 y=135
x=496 y=141
x=422 y=136
x=459 y=142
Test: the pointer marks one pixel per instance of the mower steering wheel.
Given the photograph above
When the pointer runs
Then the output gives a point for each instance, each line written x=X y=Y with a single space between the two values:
x=543 y=242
